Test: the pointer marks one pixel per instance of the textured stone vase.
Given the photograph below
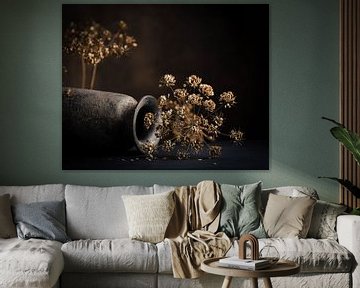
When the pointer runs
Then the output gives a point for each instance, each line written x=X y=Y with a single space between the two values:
x=105 y=122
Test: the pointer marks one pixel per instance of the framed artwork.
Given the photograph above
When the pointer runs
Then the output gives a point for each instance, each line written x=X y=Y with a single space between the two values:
x=160 y=86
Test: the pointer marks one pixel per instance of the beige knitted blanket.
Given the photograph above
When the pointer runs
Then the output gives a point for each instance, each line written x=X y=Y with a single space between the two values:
x=191 y=231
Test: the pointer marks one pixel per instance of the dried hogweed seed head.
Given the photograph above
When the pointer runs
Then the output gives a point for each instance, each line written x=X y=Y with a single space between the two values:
x=194 y=81
x=212 y=132
x=167 y=80
x=218 y=120
x=228 y=99
x=168 y=145
x=206 y=89
x=181 y=94
x=149 y=120
x=215 y=151
x=122 y=25
x=131 y=41
x=182 y=154
x=148 y=148
x=163 y=101
x=195 y=99
x=236 y=135
x=209 y=105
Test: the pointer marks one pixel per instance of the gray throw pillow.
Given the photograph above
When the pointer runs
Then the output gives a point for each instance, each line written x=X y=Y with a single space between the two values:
x=240 y=213
x=7 y=226
x=323 y=222
x=44 y=220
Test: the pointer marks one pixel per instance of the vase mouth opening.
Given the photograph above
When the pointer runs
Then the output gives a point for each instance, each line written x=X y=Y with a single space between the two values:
x=142 y=134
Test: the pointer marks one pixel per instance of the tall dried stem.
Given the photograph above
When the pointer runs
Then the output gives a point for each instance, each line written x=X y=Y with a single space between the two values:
x=83 y=73
x=93 y=76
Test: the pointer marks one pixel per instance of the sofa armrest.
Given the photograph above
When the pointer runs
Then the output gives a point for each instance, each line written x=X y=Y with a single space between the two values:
x=348 y=230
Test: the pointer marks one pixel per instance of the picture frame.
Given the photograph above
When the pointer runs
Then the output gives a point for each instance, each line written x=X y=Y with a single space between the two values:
x=185 y=41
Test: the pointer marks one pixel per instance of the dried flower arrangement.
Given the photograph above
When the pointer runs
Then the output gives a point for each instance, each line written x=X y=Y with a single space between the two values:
x=191 y=119
x=93 y=43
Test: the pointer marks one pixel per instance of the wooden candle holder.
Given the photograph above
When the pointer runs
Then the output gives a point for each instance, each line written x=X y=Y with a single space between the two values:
x=254 y=246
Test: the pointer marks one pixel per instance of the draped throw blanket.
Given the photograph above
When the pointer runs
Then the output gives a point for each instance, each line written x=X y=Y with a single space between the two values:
x=191 y=231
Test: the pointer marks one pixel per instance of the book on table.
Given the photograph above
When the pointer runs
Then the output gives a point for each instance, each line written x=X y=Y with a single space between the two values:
x=249 y=264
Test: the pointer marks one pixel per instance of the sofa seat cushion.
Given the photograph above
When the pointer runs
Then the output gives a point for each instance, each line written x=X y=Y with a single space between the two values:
x=30 y=263
x=164 y=257
x=108 y=280
x=313 y=255
x=115 y=255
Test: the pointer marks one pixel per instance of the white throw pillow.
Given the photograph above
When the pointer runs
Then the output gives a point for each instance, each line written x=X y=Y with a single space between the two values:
x=149 y=215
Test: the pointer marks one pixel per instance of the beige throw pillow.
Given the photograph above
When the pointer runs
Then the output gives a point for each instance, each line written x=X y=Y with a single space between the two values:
x=149 y=215
x=7 y=226
x=288 y=217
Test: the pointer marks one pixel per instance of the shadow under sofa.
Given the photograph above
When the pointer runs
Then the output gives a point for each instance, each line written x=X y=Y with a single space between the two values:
x=101 y=254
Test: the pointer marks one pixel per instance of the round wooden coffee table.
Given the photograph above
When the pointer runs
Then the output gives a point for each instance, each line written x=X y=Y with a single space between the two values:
x=281 y=268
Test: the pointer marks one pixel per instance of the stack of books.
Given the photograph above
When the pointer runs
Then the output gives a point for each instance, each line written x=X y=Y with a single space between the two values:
x=248 y=264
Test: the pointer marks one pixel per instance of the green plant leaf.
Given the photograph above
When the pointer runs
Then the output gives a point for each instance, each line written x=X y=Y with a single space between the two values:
x=347 y=184
x=355 y=211
x=348 y=138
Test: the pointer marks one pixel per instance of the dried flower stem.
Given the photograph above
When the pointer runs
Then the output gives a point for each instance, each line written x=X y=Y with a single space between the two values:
x=83 y=73
x=93 y=76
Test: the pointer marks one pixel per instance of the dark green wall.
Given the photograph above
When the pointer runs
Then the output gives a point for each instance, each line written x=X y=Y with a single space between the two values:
x=303 y=87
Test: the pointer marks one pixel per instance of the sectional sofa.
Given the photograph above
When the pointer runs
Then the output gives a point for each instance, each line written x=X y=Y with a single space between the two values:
x=100 y=253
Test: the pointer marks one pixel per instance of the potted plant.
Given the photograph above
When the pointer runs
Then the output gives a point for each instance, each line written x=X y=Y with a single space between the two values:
x=351 y=142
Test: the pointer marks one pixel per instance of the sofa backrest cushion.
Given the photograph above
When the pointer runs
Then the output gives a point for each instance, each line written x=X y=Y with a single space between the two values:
x=7 y=226
x=163 y=188
x=292 y=191
x=36 y=193
x=98 y=212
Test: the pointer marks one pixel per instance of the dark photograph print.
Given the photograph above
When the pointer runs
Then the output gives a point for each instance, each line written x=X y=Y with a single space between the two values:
x=165 y=87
